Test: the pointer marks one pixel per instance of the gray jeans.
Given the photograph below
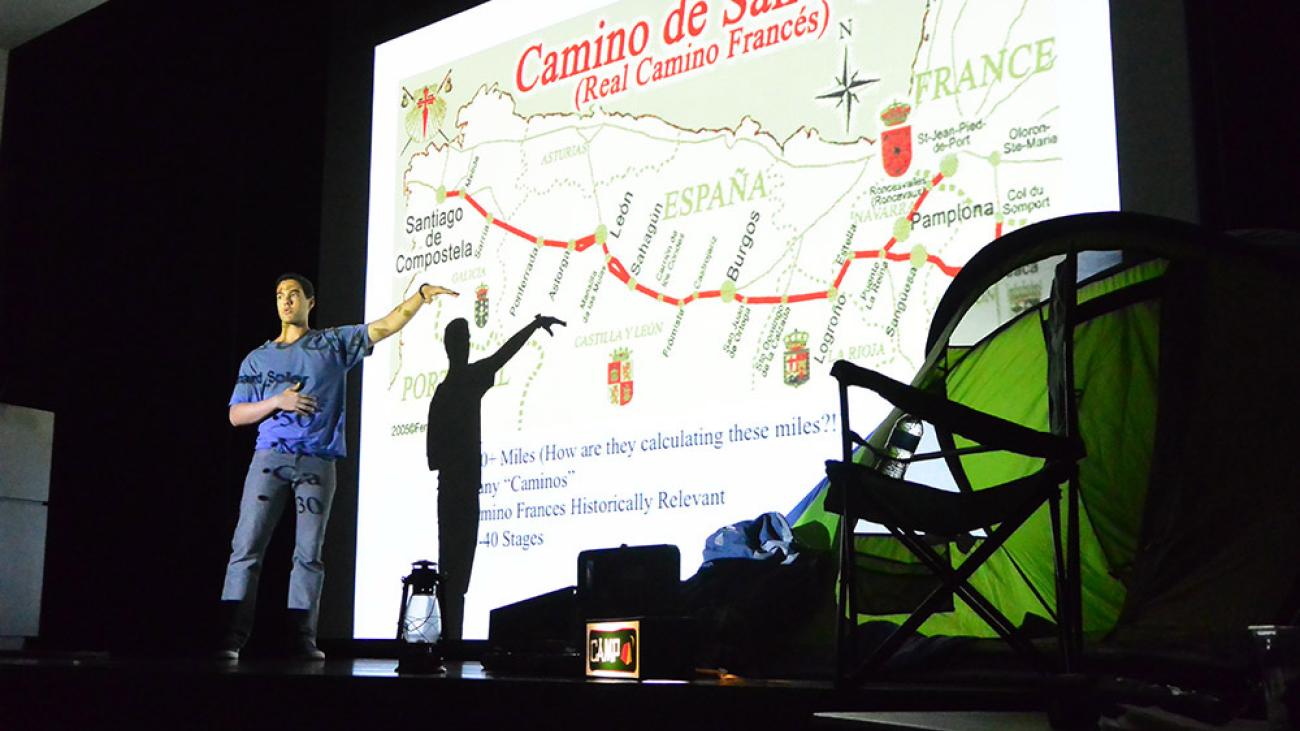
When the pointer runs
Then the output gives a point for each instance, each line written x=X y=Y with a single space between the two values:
x=274 y=479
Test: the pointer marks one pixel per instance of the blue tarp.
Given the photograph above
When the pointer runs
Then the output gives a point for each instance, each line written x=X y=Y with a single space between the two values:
x=766 y=537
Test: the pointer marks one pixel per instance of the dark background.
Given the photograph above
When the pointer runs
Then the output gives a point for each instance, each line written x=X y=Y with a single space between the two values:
x=162 y=162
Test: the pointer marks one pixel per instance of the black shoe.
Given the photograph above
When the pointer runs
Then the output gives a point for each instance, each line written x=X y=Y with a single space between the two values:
x=302 y=631
x=304 y=648
x=236 y=621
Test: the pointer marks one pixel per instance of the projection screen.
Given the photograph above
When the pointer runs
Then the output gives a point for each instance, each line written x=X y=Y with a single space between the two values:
x=720 y=198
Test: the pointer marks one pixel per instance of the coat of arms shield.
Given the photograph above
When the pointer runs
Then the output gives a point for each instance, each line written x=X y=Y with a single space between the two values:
x=619 y=377
x=796 y=358
x=481 y=305
x=895 y=141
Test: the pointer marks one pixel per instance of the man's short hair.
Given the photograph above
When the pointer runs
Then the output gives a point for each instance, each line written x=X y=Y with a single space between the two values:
x=302 y=281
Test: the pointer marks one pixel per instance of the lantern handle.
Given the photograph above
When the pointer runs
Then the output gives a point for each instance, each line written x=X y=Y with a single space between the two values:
x=401 y=610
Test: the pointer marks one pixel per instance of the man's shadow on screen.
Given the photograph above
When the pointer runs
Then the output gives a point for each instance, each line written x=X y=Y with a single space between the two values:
x=453 y=446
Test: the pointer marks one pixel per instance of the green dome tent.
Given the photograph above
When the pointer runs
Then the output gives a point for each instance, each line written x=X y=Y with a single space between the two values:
x=1189 y=492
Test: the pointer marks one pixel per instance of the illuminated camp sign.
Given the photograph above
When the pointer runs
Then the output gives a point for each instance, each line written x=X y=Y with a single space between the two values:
x=614 y=649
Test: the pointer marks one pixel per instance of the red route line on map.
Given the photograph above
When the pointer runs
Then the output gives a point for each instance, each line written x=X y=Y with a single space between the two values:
x=620 y=272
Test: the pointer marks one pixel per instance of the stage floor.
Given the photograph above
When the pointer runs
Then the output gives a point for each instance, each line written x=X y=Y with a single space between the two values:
x=104 y=692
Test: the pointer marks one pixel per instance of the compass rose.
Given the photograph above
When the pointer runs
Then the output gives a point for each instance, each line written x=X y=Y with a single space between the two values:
x=845 y=94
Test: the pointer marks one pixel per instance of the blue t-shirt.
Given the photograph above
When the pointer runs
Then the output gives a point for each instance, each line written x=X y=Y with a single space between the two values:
x=320 y=360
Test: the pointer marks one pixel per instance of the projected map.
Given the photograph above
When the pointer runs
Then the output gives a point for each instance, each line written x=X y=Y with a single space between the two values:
x=721 y=199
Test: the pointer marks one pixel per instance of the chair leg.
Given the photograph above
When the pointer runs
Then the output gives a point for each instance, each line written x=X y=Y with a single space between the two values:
x=847 y=617
x=1062 y=592
x=979 y=603
x=991 y=544
x=895 y=640
x=982 y=606
x=951 y=580
x=1074 y=570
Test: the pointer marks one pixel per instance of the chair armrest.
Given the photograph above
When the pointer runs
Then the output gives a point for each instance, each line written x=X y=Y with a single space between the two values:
x=986 y=429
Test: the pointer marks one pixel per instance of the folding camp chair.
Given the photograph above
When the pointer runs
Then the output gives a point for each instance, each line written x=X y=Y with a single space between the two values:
x=917 y=514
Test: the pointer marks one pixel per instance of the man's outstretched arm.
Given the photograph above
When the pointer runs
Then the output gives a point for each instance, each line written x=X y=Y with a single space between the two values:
x=402 y=314
x=516 y=341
